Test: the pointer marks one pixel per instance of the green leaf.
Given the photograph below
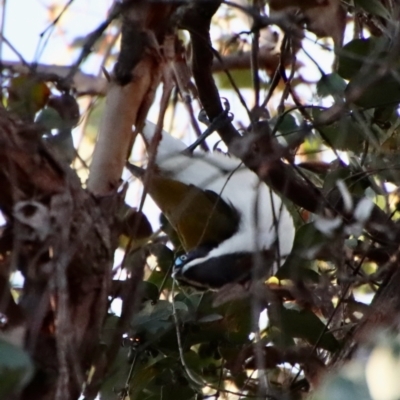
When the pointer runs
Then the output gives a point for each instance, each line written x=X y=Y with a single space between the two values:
x=385 y=92
x=303 y=324
x=134 y=259
x=149 y=291
x=207 y=350
x=199 y=303
x=109 y=327
x=194 y=361
x=308 y=236
x=173 y=391
x=156 y=318
x=164 y=256
x=162 y=377
x=331 y=85
x=287 y=127
x=279 y=338
x=296 y=267
x=116 y=377
x=237 y=320
x=49 y=119
x=135 y=225
x=63 y=144
x=356 y=185
x=374 y=7
x=353 y=55
x=165 y=261
x=142 y=378
x=16 y=369
x=234 y=327
x=286 y=124
x=153 y=317
x=298 y=264
x=345 y=134
x=332 y=177
x=385 y=117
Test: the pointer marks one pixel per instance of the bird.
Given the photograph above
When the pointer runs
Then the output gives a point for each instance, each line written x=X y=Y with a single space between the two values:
x=228 y=220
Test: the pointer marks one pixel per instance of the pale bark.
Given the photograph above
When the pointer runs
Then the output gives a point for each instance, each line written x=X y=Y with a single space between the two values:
x=124 y=105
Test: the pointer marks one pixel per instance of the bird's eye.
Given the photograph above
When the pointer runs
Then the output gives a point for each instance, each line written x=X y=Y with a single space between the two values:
x=181 y=260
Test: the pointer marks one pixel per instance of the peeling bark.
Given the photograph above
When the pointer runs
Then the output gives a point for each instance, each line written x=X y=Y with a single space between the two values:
x=131 y=91
x=63 y=243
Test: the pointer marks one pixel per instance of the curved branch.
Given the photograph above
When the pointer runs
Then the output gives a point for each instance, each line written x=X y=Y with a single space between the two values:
x=280 y=176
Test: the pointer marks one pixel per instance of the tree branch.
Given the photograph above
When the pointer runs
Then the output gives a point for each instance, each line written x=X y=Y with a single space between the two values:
x=280 y=176
x=131 y=91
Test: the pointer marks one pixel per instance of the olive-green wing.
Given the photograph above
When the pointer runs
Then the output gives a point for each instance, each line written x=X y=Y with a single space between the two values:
x=199 y=217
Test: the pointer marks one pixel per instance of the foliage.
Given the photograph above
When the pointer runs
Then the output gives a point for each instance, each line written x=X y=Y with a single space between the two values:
x=369 y=377
x=174 y=341
x=16 y=369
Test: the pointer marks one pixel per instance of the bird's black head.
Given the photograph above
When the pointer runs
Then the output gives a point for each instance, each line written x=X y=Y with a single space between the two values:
x=200 y=271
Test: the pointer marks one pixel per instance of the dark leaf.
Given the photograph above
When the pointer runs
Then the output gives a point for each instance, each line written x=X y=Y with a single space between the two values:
x=356 y=183
x=374 y=7
x=331 y=85
x=109 y=327
x=353 y=55
x=237 y=320
x=116 y=378
x=149 y=291
x=16 y=369
x=63 y=144
x=384 y=92
x=165 y=260
x=346 y=134
x=49 y=119
x=298 y=265
x=156 y=318
x=135 y=225
x=288 y=128
x=279 y=338
x=303 y=324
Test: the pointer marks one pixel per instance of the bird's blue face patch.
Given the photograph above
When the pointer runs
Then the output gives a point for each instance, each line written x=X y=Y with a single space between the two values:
x=180 y=261
x=183 y=259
